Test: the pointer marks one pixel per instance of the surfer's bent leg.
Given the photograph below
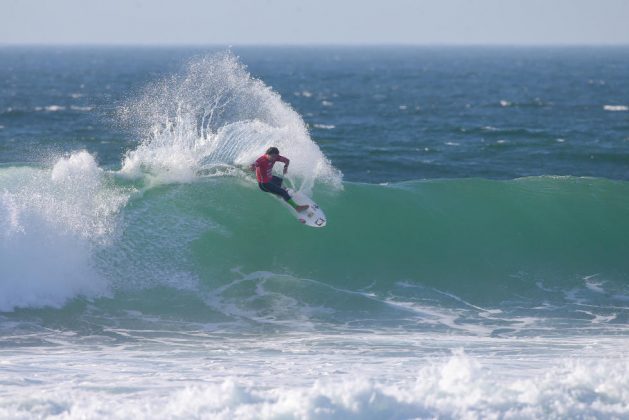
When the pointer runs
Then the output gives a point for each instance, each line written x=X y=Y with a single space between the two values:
x=274 y=189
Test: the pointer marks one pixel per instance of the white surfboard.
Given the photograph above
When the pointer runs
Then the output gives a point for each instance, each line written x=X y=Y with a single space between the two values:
x=313 y=216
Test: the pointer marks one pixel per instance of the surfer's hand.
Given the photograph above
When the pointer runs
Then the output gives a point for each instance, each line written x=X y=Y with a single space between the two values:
x=285 y=169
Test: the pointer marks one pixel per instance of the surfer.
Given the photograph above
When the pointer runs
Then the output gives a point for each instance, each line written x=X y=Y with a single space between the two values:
x=267 y=182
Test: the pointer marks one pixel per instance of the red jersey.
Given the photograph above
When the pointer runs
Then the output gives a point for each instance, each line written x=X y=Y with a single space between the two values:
x=264 y=167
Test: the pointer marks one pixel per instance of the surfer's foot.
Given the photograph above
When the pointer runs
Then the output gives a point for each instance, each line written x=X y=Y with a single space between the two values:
x=301 y=208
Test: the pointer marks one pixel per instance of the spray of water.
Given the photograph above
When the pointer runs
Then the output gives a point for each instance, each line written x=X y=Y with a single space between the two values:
x=212 y=115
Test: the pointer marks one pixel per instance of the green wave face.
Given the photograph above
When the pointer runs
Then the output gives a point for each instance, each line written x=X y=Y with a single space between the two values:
x=485 y=240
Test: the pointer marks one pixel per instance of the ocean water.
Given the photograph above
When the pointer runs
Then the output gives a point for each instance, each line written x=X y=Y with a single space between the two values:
x=475 y=262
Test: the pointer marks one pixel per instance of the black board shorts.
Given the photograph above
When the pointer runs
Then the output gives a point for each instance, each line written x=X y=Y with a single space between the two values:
x=275 y=187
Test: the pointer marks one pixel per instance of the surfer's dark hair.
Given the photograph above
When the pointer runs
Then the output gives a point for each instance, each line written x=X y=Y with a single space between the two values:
x=272 y=151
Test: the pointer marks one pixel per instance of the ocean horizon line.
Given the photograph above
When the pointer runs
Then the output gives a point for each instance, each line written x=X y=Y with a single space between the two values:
x=312 y=45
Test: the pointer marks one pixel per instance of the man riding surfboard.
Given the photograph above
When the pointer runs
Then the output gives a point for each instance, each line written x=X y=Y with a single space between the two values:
x=267 y=182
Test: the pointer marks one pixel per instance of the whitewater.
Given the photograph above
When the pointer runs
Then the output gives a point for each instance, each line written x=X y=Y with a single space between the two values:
x=164 y=284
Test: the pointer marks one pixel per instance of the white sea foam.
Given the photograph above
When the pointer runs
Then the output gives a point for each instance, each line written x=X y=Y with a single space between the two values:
x=324 y=126
x=81 y=108
x=304 y=93
x=50 y=220
x=54 y=108
x=215 y=113
x=616 y=108
x=50 y=108
x=593 y=284
x=310 y=386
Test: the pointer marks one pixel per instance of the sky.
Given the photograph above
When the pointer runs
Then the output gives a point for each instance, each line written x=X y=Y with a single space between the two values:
x=322 y=22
